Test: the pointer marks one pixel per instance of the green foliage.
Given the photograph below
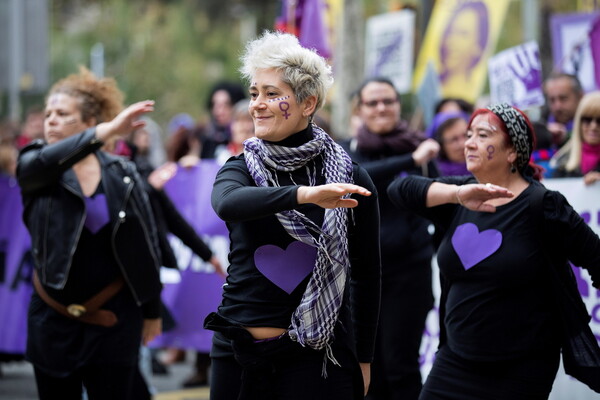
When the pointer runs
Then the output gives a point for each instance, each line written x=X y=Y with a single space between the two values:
x=171 y=51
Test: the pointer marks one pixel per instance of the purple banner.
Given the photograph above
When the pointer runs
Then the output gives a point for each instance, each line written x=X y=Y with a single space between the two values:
x=199 y=290
x=571 y=46
x=16 y=265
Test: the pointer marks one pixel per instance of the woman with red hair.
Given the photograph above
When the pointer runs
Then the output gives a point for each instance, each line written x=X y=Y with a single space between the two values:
x=506 y=284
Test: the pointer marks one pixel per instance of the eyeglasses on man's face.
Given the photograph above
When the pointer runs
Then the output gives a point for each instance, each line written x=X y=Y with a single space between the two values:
x=375 y=103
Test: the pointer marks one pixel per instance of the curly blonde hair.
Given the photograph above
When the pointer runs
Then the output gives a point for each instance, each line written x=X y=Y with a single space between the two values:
x=98 y=98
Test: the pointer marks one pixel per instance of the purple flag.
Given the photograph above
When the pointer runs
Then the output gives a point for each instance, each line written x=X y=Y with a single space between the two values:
x=307 y=23
x=595 y=47
x=313 y=31
x=16 y=265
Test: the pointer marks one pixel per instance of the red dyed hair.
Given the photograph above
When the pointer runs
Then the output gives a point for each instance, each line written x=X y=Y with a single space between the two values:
x=537 y=170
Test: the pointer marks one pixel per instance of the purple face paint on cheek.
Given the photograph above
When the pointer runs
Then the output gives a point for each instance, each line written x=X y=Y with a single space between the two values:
x=490 y=149
x=284 y=106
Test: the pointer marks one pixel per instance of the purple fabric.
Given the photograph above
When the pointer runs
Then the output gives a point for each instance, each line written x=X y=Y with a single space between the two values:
x=313 y=31
x=473 y=246
x=309 y=24
x=449 y=168
x=190 y=190
x=15 y=269
x=199 y=292
x=595 y=47
x=286 y=268
x=442 y=117
x=96 y=213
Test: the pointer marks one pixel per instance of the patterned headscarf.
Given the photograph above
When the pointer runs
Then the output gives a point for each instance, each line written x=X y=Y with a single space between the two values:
x=314 y=320
x=517 y=130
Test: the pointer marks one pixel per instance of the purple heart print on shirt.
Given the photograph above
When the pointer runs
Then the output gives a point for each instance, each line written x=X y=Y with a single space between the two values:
x=286 y=268
x=97 y=213
x=473 y=246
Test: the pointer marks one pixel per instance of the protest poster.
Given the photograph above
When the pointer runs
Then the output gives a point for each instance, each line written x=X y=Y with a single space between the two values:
x=515 y=76
x=571 y=50
x=389 y=47
x=460 y=37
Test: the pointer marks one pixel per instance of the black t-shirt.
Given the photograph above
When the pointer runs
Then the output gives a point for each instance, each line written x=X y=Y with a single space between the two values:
x=499 y=300
x=257 y=291
x=499 y=296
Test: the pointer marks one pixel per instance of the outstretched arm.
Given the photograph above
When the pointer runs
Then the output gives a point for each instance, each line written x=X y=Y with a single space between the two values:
x=472 y=196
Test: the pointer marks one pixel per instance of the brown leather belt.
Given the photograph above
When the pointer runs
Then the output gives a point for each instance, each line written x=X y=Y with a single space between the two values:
x=88 y=312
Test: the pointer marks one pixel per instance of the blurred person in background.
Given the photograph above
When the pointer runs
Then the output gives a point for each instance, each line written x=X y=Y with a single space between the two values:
x=580 y=156
x=563 y=93
x=450 y=130
x=454 y=104
x=386 y=147
x=149 y=149
x=242 y=128
x=8 y=159
x=33 y=126
x=97 y=260
x=221 y=100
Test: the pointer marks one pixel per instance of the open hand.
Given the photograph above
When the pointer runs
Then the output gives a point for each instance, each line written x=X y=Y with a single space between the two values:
x=330 y=195
x=126 y=121
x=475 y=196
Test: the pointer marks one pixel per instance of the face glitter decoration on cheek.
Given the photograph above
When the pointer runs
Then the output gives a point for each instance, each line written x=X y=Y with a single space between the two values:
x=279 y=99
x=490 y=149
x=71 y=121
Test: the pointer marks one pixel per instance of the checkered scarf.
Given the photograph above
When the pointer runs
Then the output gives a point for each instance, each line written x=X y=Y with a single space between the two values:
x=314 y=320
x=517 y=129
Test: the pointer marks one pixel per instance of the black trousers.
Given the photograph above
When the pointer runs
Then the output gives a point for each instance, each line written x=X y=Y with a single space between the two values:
x=115 y=382
x=526 y=378
x=406 y=298
x=225 y=378
x=282 y=369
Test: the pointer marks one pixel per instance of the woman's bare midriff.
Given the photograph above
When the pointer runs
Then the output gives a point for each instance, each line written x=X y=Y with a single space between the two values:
x=260 y=333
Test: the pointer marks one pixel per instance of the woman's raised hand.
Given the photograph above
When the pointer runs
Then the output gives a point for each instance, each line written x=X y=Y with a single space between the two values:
x=126 y=121
x=330 y=195
x=475 y=196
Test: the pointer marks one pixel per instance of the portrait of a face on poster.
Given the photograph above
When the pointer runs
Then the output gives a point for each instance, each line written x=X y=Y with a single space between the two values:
x=460 y=37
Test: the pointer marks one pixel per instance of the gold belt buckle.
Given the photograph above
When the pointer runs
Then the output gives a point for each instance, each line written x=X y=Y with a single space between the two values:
x=76 y=310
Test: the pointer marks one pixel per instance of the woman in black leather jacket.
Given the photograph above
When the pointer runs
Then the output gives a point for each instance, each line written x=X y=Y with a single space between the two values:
x=94 y=243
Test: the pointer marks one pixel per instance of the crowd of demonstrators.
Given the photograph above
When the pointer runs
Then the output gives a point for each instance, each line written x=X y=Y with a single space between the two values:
x=96 y=279
x=580 y=156
x=308 y=330
x=503 y=263
x=285 y=191
x=386 y=147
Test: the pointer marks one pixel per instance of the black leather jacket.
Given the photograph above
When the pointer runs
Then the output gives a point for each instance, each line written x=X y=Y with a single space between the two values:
x=54 y=213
